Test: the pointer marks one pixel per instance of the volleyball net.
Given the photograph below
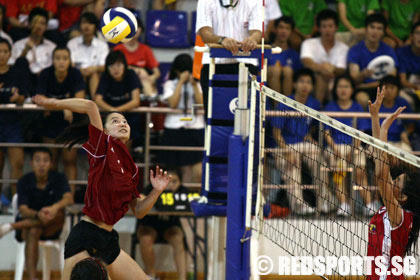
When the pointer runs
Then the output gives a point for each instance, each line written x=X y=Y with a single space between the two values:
x=318 y=174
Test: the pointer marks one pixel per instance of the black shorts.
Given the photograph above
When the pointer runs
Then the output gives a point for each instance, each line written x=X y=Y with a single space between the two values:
x=99 y=243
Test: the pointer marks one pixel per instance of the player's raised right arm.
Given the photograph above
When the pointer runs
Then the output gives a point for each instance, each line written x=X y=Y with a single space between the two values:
x=77 y=105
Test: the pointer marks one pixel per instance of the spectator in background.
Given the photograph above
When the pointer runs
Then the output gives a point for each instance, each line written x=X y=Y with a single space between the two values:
x=409 y=66
x=88 y=53
x=69 y=12
x=119 y=90
x=3 y=23
x=293 y=134
x=400 y=16
x=342 y=153
x=272 y=12
x=42 y=196
x=18 y=14
x=140 y=58
x=324 y=55
x=282 y=66
x=159 y=229
x=364 y=52
x=10 y=123
x=60 y=81
x=35 y=48
x=351 y=29
x=182 y=91
x=399 y=131
x=304 y=14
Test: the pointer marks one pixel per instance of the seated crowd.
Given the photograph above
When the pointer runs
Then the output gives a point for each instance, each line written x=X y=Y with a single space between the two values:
x=329 y=62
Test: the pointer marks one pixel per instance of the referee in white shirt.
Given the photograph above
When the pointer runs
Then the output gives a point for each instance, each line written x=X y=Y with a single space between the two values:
x=236 y=25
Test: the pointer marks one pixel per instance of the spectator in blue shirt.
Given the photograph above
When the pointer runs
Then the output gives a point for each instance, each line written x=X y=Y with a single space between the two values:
x=398 y=132
x=364 y=52
x=60 y=81
x=293 y=136
x=409 y=66
x=11 y=130
x=342 y=151
x=282 y=66
x=42 y=196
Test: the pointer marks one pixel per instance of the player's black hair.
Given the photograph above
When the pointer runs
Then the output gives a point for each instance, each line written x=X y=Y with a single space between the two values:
x=78 y=133
x=4 y=41
x=285 y=19
x=182 y=62
x=376 y=17
x=341 y=77
x=113 y=57
x=41 y=150
x=37 y=11
x=415 y=25
x=304 y=72
x=90 y=18
x=390 y=80
x=326 y=14
x=89 y=269
x=411 y=191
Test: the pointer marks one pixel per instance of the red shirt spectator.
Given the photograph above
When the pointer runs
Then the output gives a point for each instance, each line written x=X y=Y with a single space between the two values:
x=142 y=57
x=16 y=7
x=68 y=15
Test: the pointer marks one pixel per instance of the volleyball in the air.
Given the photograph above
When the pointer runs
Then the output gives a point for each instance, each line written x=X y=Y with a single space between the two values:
x=118 y=25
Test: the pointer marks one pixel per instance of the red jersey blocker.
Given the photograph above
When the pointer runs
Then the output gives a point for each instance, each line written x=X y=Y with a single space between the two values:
x=112 y=180
x=387 y=241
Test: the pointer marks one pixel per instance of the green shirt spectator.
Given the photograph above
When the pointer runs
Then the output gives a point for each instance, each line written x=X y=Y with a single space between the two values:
x=355 y=11
x=303 y=13
x=401 y=15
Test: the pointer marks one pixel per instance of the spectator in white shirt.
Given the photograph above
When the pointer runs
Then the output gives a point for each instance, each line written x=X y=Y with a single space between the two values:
x=235 y=25
x=272 y=12
x=324 y=55
x=88 y=53
x=182 y=91
x=36 y=49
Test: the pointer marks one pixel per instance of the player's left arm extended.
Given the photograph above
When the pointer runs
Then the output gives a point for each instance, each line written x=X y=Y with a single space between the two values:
x=142 y=205
x=382 y=171
x=159 y=180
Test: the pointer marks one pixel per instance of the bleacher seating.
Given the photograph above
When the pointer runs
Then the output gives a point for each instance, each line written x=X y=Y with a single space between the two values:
x=167 y=29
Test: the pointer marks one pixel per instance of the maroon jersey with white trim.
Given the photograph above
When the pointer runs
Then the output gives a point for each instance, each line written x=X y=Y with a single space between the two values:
x=112 y=180
x=387 y=241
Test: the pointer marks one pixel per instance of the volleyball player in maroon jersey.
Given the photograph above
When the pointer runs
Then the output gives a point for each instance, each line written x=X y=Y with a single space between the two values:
x=111 y=191
x=394 y=229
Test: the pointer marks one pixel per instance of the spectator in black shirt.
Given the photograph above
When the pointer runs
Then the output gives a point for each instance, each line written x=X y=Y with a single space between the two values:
x=60 y=81
x=10 y=126
x=119 y=89
x=42 y=196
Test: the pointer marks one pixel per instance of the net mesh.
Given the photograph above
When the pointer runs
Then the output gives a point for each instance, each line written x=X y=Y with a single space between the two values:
x=322 y=180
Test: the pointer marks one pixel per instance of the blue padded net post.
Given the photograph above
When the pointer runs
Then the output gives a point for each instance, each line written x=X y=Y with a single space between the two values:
x=237 y=250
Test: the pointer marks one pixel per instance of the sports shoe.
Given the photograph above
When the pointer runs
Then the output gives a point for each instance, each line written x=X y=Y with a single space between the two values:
x=304 y=209
x=5 y=229
x=344 y=210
